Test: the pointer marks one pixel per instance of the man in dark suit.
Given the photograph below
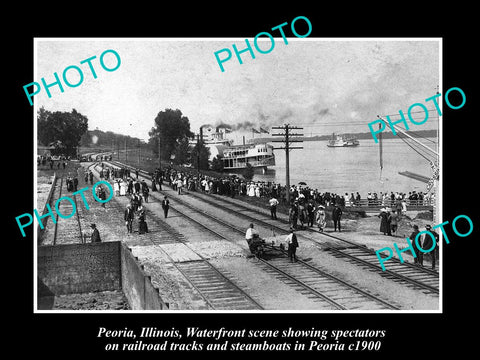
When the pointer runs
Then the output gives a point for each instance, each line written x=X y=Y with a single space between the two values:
x=292 y=245
x=165 y=206
x=336 y=217
x=95 y=234
x=428 y=243
x=128 y=217
x=418 y=260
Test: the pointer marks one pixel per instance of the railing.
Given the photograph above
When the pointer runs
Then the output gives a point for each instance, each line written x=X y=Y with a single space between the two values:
x=270 y=161
x=374 y=203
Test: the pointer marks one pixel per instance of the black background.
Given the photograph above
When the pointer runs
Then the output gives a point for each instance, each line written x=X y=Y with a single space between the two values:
x=412 y=334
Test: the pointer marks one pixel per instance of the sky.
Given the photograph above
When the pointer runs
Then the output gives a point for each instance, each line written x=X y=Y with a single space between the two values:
x=323 y=85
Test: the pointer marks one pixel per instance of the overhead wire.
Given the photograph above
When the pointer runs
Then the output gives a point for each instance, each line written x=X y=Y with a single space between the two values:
x=417 y=148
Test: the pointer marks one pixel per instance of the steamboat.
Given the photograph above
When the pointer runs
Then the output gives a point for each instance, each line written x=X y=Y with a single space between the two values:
x=236 y=157
x=342 y=141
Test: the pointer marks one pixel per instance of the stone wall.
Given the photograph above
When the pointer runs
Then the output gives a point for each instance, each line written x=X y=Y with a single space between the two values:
x=93 y=267
x=137 y=285
x=80 y=268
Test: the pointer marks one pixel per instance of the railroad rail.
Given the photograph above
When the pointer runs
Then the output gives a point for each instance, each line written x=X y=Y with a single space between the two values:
x=308 y=278
x=406 y=273
x=67 y=232
x=281 y=230
x=216 y=289
x=339 y=293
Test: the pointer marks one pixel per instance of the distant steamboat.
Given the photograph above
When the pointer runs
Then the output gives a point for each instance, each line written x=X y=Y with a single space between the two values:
x=342 y=141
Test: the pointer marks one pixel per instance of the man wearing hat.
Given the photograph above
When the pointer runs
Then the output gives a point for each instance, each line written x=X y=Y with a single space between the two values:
x=273 y=207
x=128 y=217
x=428 y=243
x=336 y=217
x=165 y=206
x=95 y=234
x=292 y=245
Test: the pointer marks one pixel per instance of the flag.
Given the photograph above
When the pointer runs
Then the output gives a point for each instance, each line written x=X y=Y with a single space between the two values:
x=255 y=131
x=262 y=130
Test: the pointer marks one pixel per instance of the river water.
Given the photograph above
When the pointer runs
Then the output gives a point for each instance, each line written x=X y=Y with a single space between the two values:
x=352 y=169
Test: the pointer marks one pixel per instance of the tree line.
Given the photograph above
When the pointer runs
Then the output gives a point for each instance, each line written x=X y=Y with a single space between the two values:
x=61 y=130
x=172 y=129
x=66 y=131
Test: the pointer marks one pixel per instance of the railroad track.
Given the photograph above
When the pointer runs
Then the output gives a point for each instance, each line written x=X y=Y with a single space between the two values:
x=219 y=291
x=216 y=289
x=303 y=277
x=342 y=295
x=413 y=276
x=66 y=231
x=50 y=228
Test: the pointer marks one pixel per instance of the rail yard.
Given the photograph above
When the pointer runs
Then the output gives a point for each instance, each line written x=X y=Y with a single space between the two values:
x=198 y=259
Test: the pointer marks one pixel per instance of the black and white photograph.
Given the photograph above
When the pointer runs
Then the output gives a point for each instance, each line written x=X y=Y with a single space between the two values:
x=225 y=180
x=287 y=181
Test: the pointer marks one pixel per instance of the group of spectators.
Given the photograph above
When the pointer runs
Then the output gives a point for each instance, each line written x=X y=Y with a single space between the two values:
x=236 y=186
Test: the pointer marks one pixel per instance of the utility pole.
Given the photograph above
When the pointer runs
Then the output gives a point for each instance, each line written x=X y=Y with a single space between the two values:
x=138 y=145
x=198 y=154
x=287 y=140
x=125 y=149
x=159 y=157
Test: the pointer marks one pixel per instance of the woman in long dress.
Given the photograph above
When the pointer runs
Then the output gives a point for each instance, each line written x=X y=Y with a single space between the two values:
x=384 y=221
x=251 y=190
x=142 y=224
x=116 y=188
x=123 y=188
x=154 y=185
x=321 y=218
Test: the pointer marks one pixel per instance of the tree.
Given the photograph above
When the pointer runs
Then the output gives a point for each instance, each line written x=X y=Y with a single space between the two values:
x=182 y=152
x=199 y=156
x=217 y=164
x=61 y=129
x=172 y=126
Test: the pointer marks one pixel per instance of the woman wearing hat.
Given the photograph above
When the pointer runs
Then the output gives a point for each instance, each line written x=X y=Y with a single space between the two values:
x=385 y=221
x=142 y=224
x=320 y=218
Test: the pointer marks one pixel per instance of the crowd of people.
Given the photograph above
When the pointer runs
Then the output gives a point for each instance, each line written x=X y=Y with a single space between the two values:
x=308 y=207
x=237 y=186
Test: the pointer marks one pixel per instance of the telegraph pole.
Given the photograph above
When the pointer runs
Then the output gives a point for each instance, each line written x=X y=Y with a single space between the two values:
x=198 y=153
x=139 y=150
x=287 y=140
x=159 y=157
